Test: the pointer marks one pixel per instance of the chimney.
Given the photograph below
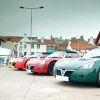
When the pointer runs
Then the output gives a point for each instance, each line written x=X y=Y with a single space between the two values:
x=42 y=40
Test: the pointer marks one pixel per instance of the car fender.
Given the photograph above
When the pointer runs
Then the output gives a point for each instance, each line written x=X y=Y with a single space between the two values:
x=48 y=61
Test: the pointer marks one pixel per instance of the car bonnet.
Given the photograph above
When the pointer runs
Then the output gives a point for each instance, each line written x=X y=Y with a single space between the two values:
x=72 y=64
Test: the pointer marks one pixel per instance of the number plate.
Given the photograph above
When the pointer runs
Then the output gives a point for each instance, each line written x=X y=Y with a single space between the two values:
x=29 y=71
x=62 y=78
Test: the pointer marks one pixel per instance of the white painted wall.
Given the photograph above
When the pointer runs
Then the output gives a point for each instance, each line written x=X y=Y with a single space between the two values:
x=21 y=48
x=26 y=41
x=41 y=49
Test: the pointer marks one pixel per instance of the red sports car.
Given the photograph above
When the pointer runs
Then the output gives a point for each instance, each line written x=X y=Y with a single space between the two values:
x=21 y=63
x=46 y=65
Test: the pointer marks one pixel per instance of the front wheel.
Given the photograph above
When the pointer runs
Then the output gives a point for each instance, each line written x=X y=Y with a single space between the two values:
x=98 y=78
x=50 y=68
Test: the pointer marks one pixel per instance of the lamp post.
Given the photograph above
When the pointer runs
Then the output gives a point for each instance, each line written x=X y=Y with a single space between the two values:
x=31 y=20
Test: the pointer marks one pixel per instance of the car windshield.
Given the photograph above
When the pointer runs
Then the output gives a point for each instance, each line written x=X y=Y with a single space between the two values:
x=57 y=54
x=36 y=55
x=95 y=53
x=45 y=54
x=71 y=55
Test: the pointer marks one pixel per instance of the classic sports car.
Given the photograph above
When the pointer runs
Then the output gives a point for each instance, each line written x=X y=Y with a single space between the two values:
x=12 y=61
x=21 y=63
x=46 y=65
x=85 y=69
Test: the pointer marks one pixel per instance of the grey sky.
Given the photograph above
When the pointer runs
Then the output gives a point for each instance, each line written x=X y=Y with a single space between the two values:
x=64 y=18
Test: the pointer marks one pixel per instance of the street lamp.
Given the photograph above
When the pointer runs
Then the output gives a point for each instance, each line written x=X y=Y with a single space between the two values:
x=31 y=20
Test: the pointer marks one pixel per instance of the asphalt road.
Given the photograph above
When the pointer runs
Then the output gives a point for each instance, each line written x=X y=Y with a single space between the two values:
x=20 y=85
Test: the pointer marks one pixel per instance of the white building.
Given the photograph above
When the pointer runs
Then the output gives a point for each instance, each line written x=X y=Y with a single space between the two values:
x=24 y=48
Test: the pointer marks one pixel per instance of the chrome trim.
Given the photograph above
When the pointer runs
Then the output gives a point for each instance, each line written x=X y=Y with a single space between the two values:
x=63 y=71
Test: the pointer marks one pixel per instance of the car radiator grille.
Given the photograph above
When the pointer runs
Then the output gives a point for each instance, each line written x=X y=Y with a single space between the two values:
x=63 y=72
x=30 y=67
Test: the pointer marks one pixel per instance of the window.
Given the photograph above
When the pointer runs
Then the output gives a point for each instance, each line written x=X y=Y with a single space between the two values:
x=32 y=45
x=16 y=47
x=25 y=53
x=25 y=46
x=38 y=46
x=58 y=54
x=20 y=48
x=20 y=43
x=71 y=55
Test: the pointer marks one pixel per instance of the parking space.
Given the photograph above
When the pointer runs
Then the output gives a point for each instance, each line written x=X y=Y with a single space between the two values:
x=20 y=85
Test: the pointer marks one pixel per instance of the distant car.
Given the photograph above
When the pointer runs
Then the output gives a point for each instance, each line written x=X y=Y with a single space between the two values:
x=46 y=65
x=12 y=61
x=85 y=69
x=21 y=62
x=5 y=55
x=4 y=59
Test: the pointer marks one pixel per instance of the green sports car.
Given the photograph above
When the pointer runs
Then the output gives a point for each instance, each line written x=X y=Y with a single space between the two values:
x=85 y=69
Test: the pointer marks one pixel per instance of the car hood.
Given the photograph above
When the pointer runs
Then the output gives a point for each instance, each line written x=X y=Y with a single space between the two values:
x=73 y=63
x=35 y=60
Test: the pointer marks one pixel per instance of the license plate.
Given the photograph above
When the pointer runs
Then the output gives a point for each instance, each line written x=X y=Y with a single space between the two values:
x=29 y=71
x=62 y=78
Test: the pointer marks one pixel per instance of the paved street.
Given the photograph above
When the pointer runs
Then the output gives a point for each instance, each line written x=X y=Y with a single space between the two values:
x=20 y=85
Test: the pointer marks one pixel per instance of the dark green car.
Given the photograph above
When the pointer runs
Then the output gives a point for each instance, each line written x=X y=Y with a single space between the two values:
x=85 y=69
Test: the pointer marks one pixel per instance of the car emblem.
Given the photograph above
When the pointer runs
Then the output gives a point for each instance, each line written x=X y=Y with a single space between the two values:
x=28 y=67
x=62 y=72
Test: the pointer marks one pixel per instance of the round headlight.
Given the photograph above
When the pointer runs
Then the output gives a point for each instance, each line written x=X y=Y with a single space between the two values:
x=42 y=62
x=87 y=65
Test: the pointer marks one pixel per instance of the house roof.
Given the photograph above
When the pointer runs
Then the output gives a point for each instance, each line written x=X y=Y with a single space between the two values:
x=80 y=45
x=11 y=38
x=49 y=42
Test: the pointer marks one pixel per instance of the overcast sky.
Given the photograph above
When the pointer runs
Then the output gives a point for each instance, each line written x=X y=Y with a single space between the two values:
x=66 y=18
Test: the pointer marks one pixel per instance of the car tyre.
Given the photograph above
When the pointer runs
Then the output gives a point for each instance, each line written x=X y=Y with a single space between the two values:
x=50 y=68
x=98 y=78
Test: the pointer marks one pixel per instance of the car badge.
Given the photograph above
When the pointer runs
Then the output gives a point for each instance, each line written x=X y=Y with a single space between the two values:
x=62 y=72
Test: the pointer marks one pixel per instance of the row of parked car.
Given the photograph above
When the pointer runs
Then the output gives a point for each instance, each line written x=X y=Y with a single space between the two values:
x=42 y=62
x=64 y=65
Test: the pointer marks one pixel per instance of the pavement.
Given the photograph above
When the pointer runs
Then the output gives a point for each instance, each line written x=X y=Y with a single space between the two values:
x=20 y=85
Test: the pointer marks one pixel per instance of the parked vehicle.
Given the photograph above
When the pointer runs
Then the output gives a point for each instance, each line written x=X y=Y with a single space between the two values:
x=21 y=62
x=12 y=61
x=5 y=55
x=46 y=65
x=85 y=69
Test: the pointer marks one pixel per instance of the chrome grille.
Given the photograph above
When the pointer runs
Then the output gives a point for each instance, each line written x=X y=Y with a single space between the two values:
x=63 y=72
